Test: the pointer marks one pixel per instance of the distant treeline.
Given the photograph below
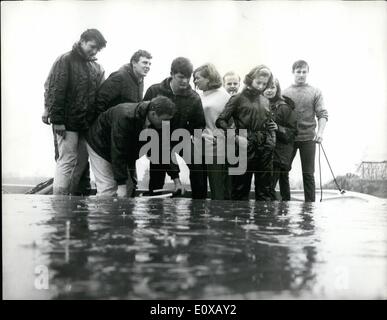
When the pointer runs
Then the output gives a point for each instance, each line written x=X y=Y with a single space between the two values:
x=23 y=180
x=353 y=182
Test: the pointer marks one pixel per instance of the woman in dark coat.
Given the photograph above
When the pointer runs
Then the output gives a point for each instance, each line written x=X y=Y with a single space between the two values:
x=283 y=114
x=250 y=111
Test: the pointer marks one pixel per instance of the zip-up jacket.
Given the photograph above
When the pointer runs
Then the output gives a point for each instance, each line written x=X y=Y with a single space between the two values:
x=189 y=114
x=70 y=89
x=120 y=87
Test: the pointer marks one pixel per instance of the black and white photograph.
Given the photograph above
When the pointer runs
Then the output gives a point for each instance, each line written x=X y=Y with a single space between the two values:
x=194 y=150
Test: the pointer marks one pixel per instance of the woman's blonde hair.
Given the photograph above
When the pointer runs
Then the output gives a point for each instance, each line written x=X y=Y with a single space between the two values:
x=209 y=72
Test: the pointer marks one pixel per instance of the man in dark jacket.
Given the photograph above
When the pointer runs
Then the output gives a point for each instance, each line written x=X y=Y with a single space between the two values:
x=70 y=92
x=125 y=85
x=189 y=116
x=113 y=141
x=284 y=116
x=250 y=110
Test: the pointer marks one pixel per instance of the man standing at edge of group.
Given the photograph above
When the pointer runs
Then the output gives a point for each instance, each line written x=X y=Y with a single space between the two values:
x=189 y=115
x=70 y=91
x=125 y=85
x=309 y=105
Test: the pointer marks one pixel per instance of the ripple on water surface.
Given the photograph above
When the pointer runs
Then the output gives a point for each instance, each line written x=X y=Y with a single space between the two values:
x=181 y=249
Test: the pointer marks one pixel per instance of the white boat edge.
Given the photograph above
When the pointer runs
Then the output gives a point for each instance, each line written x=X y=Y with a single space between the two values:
x=296 y=195
x=331 y=194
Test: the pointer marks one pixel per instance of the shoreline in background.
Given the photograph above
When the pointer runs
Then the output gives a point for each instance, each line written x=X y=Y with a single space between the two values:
x=376 y=188
x=352 y=182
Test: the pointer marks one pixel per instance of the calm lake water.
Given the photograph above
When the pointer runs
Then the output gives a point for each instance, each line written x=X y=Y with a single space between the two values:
x=90 y=248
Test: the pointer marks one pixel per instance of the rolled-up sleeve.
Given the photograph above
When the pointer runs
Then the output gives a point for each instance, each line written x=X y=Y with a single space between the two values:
x=319 y=107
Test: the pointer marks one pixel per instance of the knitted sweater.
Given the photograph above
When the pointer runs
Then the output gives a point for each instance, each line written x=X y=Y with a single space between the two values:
x=309 y=105
x=213 y=102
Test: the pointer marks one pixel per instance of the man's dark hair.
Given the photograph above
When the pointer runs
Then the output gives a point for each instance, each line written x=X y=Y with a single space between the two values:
x=162 y=105
x=94 y=34
x=300 y=64
x=182 y=65
x=138 y=54
x=209 y=72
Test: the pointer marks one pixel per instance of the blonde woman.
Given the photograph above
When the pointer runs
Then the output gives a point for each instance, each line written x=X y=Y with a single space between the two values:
x=214 y=98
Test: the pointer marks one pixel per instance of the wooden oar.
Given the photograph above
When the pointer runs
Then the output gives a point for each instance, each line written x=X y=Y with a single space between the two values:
x=159 y=193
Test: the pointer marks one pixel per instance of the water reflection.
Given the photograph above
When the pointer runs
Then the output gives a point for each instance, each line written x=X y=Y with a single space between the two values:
x=100 y=233
x=184 y=249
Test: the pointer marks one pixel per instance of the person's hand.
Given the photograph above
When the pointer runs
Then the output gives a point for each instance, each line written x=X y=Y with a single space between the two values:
x=318 y=137
x=60 y=129
x=208 y=138
x=121 y=191
x=178 y=187
x=45 y=117
x=271 y=126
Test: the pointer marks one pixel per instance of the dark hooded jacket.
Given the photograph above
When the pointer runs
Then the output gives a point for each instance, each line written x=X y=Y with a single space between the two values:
x=114 y=136
x=250 y=110
x=189 y=114
x=282 y=109
x=121 y=86
x=70 y=89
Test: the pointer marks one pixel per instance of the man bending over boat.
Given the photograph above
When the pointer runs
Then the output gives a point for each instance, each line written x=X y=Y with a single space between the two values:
x=113 y=141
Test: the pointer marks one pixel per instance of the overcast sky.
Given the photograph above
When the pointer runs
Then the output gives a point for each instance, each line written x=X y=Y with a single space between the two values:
x=345 y=44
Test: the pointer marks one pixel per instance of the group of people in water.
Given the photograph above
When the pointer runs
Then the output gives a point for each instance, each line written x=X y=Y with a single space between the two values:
x=101 y=123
